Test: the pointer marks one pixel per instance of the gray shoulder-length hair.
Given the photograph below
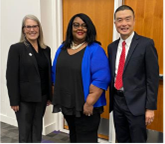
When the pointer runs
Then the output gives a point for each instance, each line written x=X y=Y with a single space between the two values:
x=40 y=38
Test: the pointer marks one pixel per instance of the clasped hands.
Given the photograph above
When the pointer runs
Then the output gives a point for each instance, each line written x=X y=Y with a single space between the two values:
x=88 y=109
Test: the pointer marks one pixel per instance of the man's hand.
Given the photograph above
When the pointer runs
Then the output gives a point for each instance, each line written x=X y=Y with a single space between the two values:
x=149 y=116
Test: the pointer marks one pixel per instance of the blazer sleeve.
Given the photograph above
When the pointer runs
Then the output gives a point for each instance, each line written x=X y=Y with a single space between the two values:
x=152 y=76
x=12 y=76
x=100 y=69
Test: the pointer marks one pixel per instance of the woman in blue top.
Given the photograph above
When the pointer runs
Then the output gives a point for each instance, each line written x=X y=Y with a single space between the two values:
x=80 y=75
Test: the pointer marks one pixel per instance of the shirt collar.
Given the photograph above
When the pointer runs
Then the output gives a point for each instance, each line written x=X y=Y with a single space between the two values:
x=128 y=40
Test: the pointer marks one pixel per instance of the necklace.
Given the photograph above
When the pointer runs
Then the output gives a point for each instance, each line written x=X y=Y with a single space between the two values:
x=75 y=46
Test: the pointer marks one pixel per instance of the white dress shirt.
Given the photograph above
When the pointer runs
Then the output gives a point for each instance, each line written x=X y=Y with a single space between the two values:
x=119 y=50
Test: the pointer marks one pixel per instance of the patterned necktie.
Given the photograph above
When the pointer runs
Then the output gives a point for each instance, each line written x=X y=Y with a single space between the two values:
x=119 y=81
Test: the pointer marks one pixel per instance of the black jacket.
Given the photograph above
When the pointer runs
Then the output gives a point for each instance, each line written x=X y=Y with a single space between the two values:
x=22 y=74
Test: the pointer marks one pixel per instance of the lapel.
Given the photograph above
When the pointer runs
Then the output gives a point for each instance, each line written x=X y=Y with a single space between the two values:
x=32 y=57
x=114 y=56
x=133 y=45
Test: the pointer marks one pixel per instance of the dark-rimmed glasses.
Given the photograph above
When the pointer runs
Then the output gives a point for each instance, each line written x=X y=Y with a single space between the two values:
x=77 y=25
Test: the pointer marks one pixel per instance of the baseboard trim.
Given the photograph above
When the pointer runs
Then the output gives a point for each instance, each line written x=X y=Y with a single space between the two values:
x=49 y=128
x=8 y=120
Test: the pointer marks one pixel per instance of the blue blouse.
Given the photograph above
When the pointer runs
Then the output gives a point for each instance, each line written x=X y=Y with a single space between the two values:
x=95 y=70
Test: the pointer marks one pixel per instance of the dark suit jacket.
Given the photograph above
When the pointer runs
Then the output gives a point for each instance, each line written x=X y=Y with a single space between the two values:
x=140 y=75
x=22 y=74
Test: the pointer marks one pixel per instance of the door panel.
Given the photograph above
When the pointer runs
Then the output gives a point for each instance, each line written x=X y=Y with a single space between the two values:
x=149 y=23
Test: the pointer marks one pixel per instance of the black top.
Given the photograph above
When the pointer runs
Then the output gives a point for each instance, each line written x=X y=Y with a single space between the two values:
x=43 y=69
x=68 y=89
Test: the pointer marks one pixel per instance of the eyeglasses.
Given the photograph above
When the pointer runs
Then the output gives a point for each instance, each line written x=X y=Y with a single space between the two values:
x=77 y=25
x=28 y=27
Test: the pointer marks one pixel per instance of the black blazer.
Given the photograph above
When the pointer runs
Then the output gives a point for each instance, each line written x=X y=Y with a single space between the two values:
x=22 y=74
x=140 y=75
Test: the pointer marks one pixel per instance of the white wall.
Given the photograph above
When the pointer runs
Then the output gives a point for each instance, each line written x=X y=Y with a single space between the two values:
x=51 y=19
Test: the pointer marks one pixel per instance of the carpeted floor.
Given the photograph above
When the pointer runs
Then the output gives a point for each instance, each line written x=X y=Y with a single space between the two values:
x=9 y=134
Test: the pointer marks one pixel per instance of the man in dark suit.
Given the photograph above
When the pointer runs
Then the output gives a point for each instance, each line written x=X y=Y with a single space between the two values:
x=135 y=78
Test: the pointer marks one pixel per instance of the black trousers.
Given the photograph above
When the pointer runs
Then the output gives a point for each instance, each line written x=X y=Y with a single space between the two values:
x=129 y=128
x=83 y=129
x=29 y=118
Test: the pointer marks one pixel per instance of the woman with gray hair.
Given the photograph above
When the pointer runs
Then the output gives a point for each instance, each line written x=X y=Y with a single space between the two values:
x=28 y=77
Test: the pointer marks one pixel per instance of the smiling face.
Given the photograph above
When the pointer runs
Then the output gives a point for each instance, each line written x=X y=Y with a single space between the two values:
x=124 y=22
x=31 y=30
x=79 y=30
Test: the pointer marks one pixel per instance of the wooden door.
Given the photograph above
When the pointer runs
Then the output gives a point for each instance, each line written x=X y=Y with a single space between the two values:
x=149 y=23
x=101 y=13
